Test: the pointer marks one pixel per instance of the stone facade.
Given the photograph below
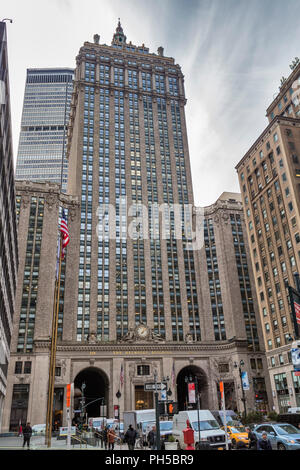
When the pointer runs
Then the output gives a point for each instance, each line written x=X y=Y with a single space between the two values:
x=134 y=307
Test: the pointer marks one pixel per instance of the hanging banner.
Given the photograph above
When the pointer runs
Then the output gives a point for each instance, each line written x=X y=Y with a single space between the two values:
x=192 y=393
x=245 y=380
x=295 y=353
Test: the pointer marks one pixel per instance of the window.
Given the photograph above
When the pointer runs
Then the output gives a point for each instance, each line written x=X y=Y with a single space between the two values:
x=27 y=367
x=143 y=370
x=18 y=367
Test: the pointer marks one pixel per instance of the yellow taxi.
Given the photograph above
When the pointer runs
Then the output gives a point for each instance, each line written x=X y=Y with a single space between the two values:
x=237 y=434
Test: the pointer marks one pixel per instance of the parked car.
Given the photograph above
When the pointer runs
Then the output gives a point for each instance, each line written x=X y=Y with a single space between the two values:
x=283 y=436
x=38 y=429
x=291 y=418
x=237 y=434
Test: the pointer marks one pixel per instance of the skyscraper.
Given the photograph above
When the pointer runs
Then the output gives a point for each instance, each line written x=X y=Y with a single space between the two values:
x=133 y=298
x=44 y=122
x=269 y=178
x=8 y=227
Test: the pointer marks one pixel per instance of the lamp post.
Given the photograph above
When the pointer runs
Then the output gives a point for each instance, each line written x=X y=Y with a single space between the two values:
x=188 y=380
x=240 y=365
x=83 y=386
x=118 y=395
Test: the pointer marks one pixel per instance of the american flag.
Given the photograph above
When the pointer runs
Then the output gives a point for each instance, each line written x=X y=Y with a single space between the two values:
x=64 y=233
x=297 y=312
x=122 y=376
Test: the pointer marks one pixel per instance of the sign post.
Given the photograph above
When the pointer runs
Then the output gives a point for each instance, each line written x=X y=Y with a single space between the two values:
x=68 y=405
x=224 y=412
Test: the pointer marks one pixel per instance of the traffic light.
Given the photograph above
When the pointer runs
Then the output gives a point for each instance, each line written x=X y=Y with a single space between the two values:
x=172 y=408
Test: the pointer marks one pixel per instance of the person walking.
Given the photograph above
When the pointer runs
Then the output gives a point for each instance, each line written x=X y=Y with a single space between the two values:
x=151 y=438
x=264 y=443
x=111 y=438
x=96 y=436
x=27 y=433
x=252 y=439
x=130 y=437
x=105 y=437
x=101 y=435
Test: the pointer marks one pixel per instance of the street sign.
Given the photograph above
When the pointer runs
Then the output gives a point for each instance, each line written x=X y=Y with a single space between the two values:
x=151 y=386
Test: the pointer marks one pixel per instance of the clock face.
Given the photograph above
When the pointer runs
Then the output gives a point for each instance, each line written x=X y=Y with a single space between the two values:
x=142 y=331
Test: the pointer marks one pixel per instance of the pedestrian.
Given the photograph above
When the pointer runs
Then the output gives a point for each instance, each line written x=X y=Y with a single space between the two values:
x=101 y=436
x=151 y=438
x=20 y=430
x=252 y=439
x=105 y=437
x=264 y=443
x=96 y=436
x=130 y=437
x=111 y=438
x=27 y=432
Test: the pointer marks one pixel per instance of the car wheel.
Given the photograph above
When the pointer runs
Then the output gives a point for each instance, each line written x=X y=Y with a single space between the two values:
x=233 y=443
x=281 y=446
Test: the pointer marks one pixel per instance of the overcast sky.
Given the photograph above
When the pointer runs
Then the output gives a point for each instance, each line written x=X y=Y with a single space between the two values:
x=233 y=54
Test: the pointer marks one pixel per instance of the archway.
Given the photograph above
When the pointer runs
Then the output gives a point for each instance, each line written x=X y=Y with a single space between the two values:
x=95 y=392
x=190 y=372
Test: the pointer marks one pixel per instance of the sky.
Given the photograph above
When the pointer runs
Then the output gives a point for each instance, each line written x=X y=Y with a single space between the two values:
x=233 y=54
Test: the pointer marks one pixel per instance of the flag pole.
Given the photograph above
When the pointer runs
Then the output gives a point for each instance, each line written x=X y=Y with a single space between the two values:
x=52 y=362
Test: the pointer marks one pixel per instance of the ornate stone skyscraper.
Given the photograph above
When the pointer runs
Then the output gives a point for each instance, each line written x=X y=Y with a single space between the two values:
x=133 y=306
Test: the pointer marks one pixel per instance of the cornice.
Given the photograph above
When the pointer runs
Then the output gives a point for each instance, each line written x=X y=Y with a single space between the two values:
x=121 y=348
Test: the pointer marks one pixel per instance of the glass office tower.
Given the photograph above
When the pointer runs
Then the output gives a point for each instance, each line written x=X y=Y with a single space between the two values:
x=46 y=107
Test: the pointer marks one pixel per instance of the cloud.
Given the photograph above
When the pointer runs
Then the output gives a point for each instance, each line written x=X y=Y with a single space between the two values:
x=231 y=53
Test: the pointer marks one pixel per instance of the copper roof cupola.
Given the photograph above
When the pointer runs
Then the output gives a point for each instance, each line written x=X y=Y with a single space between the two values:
x=119 y=36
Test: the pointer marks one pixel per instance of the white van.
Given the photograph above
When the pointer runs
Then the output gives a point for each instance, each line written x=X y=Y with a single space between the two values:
x=210 y=431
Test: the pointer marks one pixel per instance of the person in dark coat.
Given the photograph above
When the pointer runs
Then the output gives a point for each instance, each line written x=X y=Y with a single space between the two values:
x=264 y=443
x=105 y=436
x=252 y=439
x=27 y=433
x=130 y=437
x=151 y=438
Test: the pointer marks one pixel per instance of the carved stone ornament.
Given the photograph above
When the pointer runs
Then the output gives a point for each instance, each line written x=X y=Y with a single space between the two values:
x=141 y=333
x=51 y=200
x=189 y=338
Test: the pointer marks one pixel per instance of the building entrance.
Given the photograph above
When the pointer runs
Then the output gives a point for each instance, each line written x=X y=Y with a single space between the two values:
x=188 y=374
x=91 y=393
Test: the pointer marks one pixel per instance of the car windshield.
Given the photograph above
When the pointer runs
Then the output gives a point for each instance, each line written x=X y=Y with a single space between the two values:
x=237 y=429
x=205 y=425
x=287 y=429
x=165 y=426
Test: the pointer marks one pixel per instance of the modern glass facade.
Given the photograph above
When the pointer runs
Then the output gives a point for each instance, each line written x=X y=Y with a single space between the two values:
x=46 y=107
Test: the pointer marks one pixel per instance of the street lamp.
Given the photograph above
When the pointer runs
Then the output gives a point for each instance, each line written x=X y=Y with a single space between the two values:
x=83 y=386
x=190 y=379
x=241 y=364
x=118 y=395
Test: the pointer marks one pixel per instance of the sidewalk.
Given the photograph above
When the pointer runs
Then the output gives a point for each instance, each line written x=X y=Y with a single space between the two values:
x=38 y=443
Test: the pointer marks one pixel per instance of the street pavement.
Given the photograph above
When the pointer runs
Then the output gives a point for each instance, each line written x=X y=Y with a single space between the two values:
x=38 y=443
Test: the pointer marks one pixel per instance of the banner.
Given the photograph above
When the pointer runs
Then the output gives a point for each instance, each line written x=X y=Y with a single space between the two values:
x=192 y=393
x=295 y=353
x=245 y=380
